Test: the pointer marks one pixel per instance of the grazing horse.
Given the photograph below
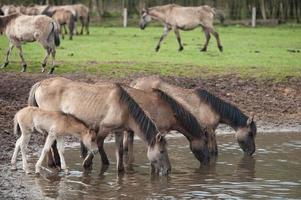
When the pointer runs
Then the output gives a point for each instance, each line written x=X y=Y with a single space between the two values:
x=23 y=28
x=64 y=17
x=175 y=17
x=209 y=110
x=55 y=125
x=83 y=15
x=104 y=107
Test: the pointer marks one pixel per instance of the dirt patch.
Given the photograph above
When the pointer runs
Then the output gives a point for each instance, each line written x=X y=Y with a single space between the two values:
x=271 y=102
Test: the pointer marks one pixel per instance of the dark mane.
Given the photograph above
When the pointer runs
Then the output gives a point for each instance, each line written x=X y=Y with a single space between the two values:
x=146 y=125
x=226 y=110
x=188 y=121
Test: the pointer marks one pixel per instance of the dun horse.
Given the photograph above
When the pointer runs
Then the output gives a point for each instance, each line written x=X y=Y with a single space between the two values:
x=176 y=18
x=22 y=28
x=106 y=108
x=209 y=111
x=83 y=15
x=53 y=124
x=65 y=17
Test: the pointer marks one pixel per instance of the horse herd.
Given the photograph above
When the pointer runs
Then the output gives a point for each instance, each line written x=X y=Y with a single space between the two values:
x=148 y=107
x=21 y=27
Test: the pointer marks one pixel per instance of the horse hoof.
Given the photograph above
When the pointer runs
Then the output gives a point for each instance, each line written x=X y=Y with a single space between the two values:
x=220 y=48
x=24 y=68
x=203 y=49
x=13 y=168
x=157 y=48
x=66 y=171
x=51 y=71
x=4 y=65
x=181 y=49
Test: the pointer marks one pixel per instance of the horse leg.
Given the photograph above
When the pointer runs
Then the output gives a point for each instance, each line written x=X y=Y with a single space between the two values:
x=83 y=150
x=49 y=141
x=87 y=25
x=163 y=36
x=219 y=44
x=53 y=157
x=23 y=144
x=82 y=27
x=9 y=50
x=207 y=35
x=65 y=29
x=53 y=60
x=119 y=151
x=16 y=151
x=44 y=62
x=128 y=148
x=61 y=149
x=103 y=155
x=71 y=27
x=22 y=58
x=178 y=39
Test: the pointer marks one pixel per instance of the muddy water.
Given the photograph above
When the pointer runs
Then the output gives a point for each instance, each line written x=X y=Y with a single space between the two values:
x=273 y=173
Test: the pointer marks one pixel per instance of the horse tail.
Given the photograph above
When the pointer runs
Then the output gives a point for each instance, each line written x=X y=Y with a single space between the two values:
x=32 y=99
x=220 y=14
x=55 y=33
x=17 y=130
x=145 y=123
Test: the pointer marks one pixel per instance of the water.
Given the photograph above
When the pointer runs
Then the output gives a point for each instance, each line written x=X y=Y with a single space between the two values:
x=274 y=172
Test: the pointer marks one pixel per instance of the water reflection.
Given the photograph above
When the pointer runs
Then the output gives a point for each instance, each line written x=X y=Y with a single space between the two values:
x=233 y=175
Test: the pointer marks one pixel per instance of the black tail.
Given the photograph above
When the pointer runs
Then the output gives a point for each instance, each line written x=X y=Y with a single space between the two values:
x=54 y=31
x=188 y=121
x=31 y=98
x=146 y=125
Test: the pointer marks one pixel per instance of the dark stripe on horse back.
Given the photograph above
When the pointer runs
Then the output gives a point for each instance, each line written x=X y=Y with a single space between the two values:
x=187 y=120
x=145 y=124
x=226 y=110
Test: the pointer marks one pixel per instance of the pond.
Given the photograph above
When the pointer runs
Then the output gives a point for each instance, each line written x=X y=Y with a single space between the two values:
x=274 y=172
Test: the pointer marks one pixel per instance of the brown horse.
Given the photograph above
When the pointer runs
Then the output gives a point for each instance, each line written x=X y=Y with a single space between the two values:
x=209 y=111
x=64 y=17
x=104 y=107
x=83 y=15
x=175 y=17
x=23 y=28
x=55 y=125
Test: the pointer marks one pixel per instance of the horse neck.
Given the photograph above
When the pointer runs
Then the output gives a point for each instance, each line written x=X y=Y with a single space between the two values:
x=4 y=21
x=133 y=126
x=229 y=122
x=158 y=14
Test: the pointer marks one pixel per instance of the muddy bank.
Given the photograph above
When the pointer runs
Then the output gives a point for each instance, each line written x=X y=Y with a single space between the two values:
x=274 y=104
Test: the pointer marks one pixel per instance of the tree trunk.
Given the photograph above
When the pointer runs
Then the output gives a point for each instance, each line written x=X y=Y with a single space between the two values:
x=262 y=8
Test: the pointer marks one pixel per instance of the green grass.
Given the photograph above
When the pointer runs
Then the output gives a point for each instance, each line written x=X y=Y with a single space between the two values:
x=248 y=52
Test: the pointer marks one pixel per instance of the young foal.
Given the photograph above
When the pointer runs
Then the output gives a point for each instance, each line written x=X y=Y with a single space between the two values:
x=56 y=125
x=23 y=28
x=175 y=17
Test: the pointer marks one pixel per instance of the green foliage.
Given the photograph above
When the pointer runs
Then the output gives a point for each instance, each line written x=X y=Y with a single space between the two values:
x=248 y=52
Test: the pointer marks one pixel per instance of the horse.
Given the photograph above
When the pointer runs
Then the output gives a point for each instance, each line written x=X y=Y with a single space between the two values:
x=64 y=17
x=209 y=110
x=53 y=124
x=83 y=15
x=23 y=28
x=104 y=107
x=175 y=17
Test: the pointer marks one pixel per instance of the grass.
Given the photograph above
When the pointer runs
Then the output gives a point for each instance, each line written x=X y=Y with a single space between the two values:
x=248 y=52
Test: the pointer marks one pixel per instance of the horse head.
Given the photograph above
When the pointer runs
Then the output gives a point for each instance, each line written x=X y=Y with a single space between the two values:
x=145 y=18
x=158 y=156
x=246 y=136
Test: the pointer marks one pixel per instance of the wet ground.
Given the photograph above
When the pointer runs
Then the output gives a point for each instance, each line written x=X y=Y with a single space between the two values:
x=272 y=173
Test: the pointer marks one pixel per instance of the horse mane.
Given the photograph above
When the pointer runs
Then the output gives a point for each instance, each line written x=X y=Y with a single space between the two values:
x=188 y=120
x=226 y=110
x=4 y=20
x=145 y=123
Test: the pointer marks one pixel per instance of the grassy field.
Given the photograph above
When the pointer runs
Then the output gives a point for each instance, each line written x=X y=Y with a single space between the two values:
x=260 y=52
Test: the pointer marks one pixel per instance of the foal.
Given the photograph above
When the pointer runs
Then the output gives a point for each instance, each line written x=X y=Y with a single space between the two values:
x=23 y=28
x=56 y=125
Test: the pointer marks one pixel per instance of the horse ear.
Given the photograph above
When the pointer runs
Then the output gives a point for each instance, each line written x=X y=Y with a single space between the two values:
x=250 y=120
x=159 y=137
